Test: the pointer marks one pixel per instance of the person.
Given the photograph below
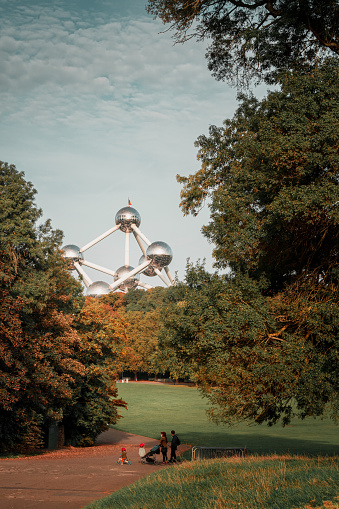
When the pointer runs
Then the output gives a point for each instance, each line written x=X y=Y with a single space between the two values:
x=142 y=451
x=123 y=456
x=174 y=444
x=163 y=447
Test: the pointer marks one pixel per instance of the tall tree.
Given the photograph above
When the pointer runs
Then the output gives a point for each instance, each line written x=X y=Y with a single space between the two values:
x=254 y=38
x=143 y=316
x=256 y=358
x=271 y=175
x=38 y=363
x=262 y=342
x=58 y=359
x=142 y=339
x=102 y=350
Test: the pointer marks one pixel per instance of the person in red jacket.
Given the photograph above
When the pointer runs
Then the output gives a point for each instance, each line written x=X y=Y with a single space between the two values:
x=123 y=456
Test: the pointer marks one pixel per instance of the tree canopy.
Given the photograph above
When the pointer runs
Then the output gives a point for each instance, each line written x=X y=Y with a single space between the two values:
x=43 y=335
x=257 y=358
x=254 y=38
x=270 y=175
x=262 y=341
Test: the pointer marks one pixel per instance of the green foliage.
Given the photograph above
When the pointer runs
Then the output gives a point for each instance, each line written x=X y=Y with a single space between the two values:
x=256 y=483
x=254 y=39
x=271 y=174
x=46 y=364
x=139 y=300
x=267 y=335
x=38 y=298
x=254 y=356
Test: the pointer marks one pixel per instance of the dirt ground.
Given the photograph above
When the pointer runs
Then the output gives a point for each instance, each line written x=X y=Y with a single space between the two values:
x=73 y=477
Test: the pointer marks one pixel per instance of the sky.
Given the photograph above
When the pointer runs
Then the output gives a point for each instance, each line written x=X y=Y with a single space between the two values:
x=98 y=106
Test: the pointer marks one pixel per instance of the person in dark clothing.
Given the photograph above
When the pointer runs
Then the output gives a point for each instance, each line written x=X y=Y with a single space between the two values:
x=174 y=444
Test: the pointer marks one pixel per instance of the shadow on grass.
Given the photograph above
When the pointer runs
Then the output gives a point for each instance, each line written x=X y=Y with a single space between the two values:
x=261 y=444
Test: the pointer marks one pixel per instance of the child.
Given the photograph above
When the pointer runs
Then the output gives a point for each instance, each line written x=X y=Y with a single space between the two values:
x=123 y=456
x=142 y=451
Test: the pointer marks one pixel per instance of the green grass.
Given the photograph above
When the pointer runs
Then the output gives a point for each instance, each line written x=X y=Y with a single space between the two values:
x=156 y=408
x=298 y=480
x=277 y=483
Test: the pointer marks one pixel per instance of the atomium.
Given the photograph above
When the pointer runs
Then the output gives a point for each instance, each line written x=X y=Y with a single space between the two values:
x=98 y=288
x=149 y=271
x=127 y=216
x=131 y=282
x=160 y=254
x=72 y=255
x=156 y=256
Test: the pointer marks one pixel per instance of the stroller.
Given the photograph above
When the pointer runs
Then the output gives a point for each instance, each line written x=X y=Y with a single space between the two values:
x=150 y=457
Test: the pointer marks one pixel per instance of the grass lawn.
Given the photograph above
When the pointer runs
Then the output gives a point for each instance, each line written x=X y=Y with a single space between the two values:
x=278 y=481
x=253 y=483
x=153 y=408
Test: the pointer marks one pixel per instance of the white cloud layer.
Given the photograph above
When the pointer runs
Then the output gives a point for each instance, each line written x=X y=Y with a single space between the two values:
x=96 y=108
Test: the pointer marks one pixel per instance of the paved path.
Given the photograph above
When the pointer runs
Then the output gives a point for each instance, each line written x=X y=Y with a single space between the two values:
x=73 y=477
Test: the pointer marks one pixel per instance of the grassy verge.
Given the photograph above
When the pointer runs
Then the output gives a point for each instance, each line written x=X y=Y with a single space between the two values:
x=156 y=408
x=256 y=482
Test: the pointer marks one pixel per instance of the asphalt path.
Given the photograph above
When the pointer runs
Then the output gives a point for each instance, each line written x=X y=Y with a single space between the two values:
x=73 y=477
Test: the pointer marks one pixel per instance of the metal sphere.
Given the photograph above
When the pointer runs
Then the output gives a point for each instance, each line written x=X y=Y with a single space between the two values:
x=97 y=289
x=127 y=216
x=149 y=271
x=72 y=254
x=160 y=254
x=129 y=283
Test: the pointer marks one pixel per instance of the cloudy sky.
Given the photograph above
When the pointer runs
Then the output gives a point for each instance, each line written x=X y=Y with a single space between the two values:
x=98 y=106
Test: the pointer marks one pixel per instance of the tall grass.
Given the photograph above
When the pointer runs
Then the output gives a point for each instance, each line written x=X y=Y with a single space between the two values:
x=253 y=483
x=156 y=408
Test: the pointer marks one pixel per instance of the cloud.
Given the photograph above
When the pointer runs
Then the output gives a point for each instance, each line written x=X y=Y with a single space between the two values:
x=128 y=63
x=95 y=108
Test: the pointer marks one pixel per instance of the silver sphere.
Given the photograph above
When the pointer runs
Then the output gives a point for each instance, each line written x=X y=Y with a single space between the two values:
x=72 y=254
x=129 y=283
x=160 y=254
x=127 y=216
x=97 y=289
x=149 y=271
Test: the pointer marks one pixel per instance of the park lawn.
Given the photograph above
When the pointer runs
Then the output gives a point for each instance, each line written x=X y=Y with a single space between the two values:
x=250 y=483
x=153 y=408
x=277 y=481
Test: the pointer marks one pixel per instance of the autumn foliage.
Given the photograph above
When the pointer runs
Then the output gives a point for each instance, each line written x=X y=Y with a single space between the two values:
x=48 y=344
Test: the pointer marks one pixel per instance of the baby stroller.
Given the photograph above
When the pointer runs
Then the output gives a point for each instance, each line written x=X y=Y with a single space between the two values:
x=150 y=457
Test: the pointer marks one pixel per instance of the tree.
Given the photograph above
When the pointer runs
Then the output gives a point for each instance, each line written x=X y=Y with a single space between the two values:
x=38 y=364
x=102 y=350
x=271 y=175
x=262 y=342
x=143 y=316
x=58 y=359
x=142 y=336
x=256 y=358
x=254 y=38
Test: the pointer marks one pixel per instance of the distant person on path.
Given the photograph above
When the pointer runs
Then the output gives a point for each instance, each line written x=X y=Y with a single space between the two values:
x=123 y=456
x=163 y=447
x=174 y=444
x=142 y=451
